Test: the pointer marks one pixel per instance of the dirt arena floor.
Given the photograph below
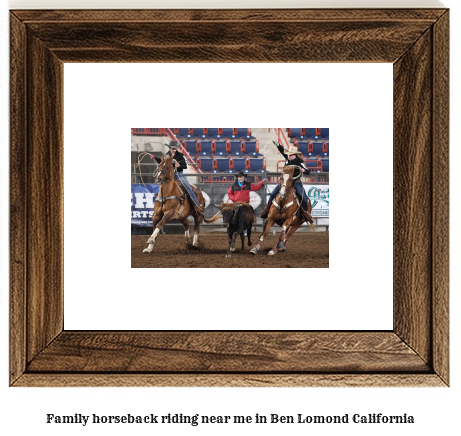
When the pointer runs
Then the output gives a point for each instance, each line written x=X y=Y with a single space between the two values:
x=305 y=250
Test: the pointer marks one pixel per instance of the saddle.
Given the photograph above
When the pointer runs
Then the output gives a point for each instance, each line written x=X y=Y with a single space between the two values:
x=184 y=190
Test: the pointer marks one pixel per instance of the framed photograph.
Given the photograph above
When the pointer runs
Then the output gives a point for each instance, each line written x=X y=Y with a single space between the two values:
x=224 y=183
x=414 y=353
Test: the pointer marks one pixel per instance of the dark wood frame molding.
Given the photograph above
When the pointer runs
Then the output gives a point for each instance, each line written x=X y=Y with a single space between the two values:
x=414 y=353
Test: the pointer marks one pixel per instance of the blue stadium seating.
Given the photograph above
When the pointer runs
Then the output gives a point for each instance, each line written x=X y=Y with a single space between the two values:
x=317 y=151
x=190 y=146
x=326 y=165
x=325 y=133
x=221 y=149
x=242 y=132
x=294 y=132
x=206 y=164
x=197 y=131
x=212 y=132
x=310 y=133
x=227 y=133
x=256 y=164
x=303 y=147
x=206 y=148
x=250 y=149
x=239 y=164
x=183 y=132
x=223 y=164
x=235 y=148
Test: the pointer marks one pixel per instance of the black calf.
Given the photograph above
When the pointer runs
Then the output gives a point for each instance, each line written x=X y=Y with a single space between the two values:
x=237 y=217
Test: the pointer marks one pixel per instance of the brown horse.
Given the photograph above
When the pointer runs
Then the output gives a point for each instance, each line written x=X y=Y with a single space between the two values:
x=285 y=211
x=172 y=204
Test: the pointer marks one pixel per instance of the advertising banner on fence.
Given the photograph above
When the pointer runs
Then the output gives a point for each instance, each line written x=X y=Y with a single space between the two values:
x=320 y=198
x=143 y=197
x=142 y=204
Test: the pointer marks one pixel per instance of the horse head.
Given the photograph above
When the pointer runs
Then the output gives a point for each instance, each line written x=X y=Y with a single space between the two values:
x=286 y=181
x=165 y=171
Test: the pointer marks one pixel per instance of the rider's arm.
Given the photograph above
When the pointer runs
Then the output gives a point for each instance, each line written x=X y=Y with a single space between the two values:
x=282 y=151
x=258 y=186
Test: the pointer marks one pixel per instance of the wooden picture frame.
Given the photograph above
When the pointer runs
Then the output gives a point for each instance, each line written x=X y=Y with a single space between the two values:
x=414 y=353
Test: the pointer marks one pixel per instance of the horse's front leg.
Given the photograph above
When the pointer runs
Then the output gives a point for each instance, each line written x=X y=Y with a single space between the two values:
x=286 y=225
x=269 y=223
x=156 y=218
x=166 y=217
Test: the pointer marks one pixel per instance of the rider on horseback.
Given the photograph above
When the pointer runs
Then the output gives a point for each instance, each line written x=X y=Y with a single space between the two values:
x=292 y=158
x=181 y=164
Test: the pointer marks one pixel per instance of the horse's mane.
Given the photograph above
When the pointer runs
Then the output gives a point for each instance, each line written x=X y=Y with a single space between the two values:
x=165 y=158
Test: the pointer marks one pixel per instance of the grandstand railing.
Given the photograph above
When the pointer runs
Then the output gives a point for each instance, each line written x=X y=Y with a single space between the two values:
x=148 y=131
x=280 y=135
x=229 y=178
x=219 y=131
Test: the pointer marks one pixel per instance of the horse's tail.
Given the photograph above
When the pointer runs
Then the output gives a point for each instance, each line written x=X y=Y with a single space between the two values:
x=213 y=219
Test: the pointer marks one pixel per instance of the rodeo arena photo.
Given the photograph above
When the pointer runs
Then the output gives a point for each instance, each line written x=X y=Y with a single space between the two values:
x=230 y=197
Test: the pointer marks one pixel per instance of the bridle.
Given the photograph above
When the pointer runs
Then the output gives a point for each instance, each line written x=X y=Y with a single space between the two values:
x=165 y=171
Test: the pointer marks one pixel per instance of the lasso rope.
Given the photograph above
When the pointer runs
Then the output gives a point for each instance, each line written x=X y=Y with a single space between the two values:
x=140 y=157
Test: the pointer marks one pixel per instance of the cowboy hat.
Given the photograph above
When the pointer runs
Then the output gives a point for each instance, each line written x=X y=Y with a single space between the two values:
x=173 y=144
x=241 y=174
x=292 y=150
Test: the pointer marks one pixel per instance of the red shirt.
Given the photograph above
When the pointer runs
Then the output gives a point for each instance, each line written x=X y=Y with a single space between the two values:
x=237 y=193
